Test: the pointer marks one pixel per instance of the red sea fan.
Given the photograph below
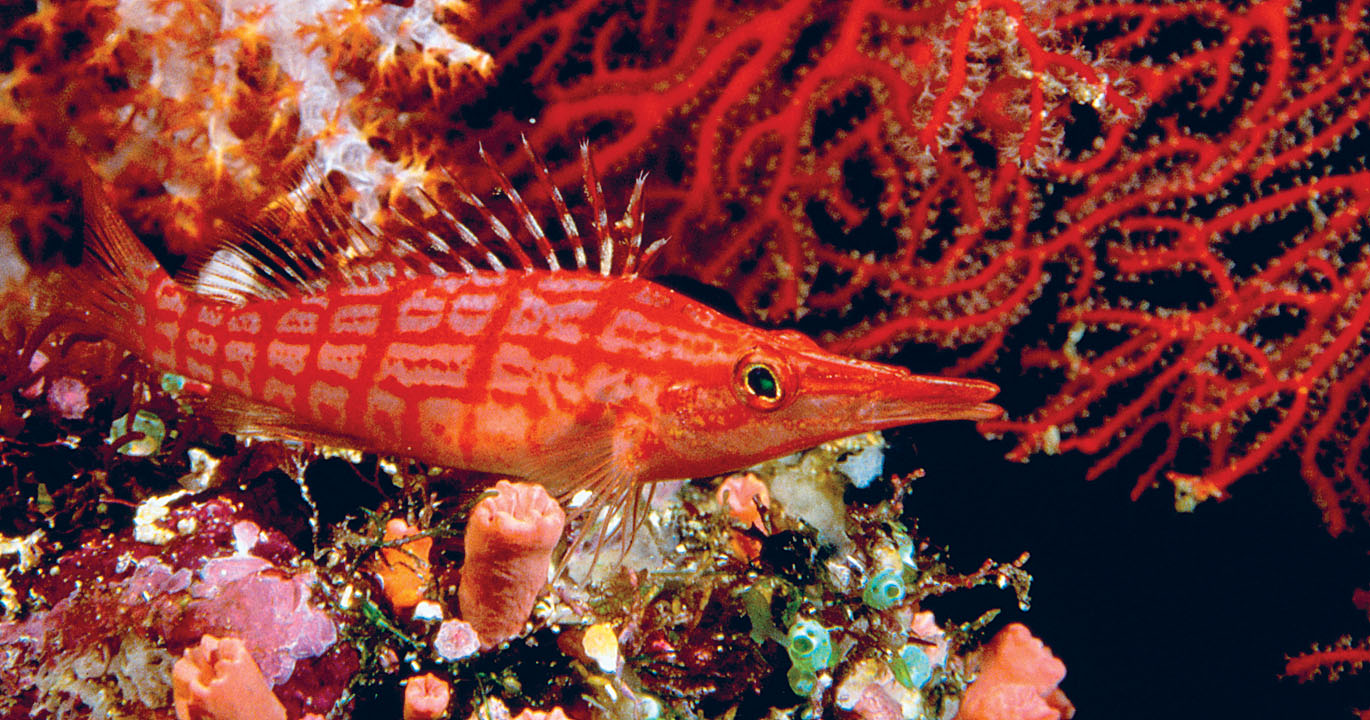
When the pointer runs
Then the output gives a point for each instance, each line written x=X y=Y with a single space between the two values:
x=1157 y=210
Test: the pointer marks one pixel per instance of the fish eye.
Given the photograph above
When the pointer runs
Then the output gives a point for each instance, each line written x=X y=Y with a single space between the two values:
x=759 y=381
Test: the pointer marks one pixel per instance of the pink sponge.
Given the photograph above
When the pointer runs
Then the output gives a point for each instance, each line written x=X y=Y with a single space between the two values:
x=1017 y=681
x=509 y=542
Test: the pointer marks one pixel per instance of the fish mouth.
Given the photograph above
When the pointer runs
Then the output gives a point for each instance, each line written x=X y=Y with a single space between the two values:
x=911 y=399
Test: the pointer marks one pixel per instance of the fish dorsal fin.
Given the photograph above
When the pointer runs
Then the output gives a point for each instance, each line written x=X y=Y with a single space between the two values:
x=307 y=240
x=618 y=246
x=300 y=243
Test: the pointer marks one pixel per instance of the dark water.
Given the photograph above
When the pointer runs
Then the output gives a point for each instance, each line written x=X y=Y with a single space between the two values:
x=1156 y=614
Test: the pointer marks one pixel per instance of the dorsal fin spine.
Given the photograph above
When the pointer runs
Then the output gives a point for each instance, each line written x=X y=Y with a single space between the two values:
x=568 y=223
x=594 y=193
x=530 y=222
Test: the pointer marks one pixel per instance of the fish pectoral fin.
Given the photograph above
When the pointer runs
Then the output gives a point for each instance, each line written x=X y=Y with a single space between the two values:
x=596 y=457
x=243 y=416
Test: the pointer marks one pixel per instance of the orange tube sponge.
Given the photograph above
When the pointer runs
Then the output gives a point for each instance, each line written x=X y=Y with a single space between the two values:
x=426 y=697
x=219 y=680
x=509 y=543
x=1017 y=681
x=404 y=570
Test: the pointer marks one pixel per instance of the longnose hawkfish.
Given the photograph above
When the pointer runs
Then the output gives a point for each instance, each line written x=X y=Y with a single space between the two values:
x=579 y=378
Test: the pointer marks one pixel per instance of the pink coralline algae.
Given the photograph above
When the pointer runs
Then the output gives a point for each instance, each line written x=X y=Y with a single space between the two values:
x=1017 y=681
x=744 y=496
x=218 y=680
x=271 y=612
x=69 y=397
x=509 y=541
x=121 y=611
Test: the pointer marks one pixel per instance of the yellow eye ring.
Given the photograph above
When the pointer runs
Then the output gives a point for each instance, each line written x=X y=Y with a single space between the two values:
x=760 y=382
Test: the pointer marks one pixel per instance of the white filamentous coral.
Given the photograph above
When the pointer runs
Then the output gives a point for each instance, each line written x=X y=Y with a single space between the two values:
x=325 y=96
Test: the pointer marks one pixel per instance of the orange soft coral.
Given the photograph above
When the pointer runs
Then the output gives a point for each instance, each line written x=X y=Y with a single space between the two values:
x=219 y=680
x=426 y=697
x=1017 y=681
x=509 y=543
x=404 y=571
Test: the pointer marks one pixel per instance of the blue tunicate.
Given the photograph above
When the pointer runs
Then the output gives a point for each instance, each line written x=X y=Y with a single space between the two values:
x=884 y=590
x=802 y=682
x=906 y=550
x=648 y=708
x=863 y=466
x=918 y=663
x=809 y=646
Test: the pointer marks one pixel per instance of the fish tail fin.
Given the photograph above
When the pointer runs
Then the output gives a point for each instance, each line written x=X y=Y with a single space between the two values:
x=112 y=288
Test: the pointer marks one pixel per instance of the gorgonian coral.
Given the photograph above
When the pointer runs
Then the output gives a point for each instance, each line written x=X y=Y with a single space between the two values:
x=1158 y=210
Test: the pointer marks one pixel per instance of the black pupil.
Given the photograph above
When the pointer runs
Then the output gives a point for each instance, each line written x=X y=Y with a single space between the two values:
x=762 y=383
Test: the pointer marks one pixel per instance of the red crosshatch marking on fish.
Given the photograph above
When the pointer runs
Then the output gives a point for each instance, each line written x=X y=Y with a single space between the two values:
x=211 y=316
x=578 y=377
x=241 y=352
x=246 y=322
x=420 y=312
x=201 y=342
x=425 y=364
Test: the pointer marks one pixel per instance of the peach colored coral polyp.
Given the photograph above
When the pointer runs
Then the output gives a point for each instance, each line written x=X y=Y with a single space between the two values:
x=509 y=542
x=426 y=697
x=219 y=680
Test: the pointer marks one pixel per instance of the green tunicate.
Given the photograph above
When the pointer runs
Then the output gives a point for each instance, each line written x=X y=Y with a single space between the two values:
x=802 y=681
x=152 y=428
x=809 y=645
x=172 y=383
x=884 y=590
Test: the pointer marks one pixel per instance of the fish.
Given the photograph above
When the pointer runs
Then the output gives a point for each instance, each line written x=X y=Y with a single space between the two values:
x=578 y=378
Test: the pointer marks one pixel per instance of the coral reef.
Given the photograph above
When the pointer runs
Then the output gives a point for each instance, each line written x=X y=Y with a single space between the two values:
x=1149 y=216
x=117 y=607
